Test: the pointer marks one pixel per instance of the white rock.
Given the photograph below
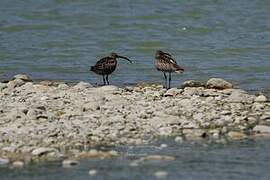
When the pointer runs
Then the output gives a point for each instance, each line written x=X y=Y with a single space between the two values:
x=42 y=151
x=261 y=98
x=92 y=172
x=178 y=139
x=240 y=96
x=193 y=83
x=165 y=131
x=218 y=83
x=108 y=88
x=262 y=129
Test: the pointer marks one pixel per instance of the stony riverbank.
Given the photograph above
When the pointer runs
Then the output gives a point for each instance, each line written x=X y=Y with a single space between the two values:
x=49 y=119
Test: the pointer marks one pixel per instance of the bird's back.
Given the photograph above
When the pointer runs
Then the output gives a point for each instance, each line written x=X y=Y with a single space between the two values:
x=164 y=62
x=104 y=66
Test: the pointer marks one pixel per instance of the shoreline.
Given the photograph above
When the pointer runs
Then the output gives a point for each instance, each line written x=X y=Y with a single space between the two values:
x=47 y=120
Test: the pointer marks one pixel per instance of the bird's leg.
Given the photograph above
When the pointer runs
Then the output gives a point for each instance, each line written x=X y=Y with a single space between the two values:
x=104 y=82
x=170 y=78
x=107 y=79
x=165 y=77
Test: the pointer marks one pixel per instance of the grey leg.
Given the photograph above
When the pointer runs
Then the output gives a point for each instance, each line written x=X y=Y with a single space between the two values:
x=165 y=77
x=170 y=78
x=104 y=82
x=107 y=79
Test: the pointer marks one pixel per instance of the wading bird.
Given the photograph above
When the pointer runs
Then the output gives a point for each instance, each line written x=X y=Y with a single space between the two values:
x=106 y=66
x=165 y=63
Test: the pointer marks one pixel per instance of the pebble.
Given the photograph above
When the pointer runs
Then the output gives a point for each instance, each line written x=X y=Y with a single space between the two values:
x=92 y=172
x=42 y=151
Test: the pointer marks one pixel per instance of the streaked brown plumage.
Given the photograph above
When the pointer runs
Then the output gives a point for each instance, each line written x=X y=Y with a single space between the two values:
x=106 y=66
x=165 y=63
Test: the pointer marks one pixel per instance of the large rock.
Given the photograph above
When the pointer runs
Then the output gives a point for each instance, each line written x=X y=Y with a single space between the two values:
x=218 y=83
x=262 y=129
x=261 y=99
x=22 y=77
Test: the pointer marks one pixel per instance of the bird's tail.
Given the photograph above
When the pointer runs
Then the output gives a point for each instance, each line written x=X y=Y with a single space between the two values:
x=179 y=69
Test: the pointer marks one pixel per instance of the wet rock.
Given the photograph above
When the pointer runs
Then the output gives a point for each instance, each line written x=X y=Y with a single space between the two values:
x=18 y=164
x=42 y=151
x=161 y=174
x=22 y=77
x=218 y=83
x=261 y=99
x=262 y=129
x=194 y=133
x=69 y=163
x=157 y=158
x=236 y=135
x=178 y=139
x=92 y=172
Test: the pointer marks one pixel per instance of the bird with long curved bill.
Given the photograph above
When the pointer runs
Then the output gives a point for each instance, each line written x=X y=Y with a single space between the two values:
x=106 y=66
x=165 y=63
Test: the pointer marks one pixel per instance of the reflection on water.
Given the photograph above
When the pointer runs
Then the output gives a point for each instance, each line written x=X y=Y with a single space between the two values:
x=246 y=160
x=60 y=39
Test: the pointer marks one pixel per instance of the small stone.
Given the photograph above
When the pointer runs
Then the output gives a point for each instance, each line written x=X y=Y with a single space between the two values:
x=163 y=146
x=261 y=99
x=69 y=163
x=4 y=161
x=262 y=129
x=42 y=151
x=92 y=172
x=63 y=86
x=218 y=83
x=161 y=174
x=18 y=164
x=165 y=131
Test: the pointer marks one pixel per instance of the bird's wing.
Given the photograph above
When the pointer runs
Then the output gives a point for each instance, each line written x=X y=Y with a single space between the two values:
x=105 y=63
x=168 y=58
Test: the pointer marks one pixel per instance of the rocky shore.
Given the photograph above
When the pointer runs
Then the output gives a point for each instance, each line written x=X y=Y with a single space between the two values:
x=56 y=120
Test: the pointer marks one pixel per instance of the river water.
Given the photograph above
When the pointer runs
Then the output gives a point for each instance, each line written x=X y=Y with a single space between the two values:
x=60 y=39
x=244 y=160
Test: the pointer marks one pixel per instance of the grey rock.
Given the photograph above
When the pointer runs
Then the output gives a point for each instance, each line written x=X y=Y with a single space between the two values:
x=193 y=83
x=171 y=92
x=218 y=83
x=69 y=163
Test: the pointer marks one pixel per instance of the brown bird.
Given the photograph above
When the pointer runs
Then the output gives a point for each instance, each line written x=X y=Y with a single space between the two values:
x=106 y=66
x=165 y=63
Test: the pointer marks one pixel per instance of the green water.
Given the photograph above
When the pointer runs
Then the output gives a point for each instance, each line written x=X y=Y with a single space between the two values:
x=60 y=39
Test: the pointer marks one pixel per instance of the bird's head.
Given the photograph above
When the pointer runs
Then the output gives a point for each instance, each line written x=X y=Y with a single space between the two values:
x=114 y=55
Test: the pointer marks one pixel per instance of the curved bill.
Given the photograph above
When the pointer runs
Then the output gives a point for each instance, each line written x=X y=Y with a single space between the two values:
x=123 y=57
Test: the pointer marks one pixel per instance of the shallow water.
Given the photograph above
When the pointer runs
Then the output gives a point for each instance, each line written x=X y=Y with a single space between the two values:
x=60 y=39
x=247 y=160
